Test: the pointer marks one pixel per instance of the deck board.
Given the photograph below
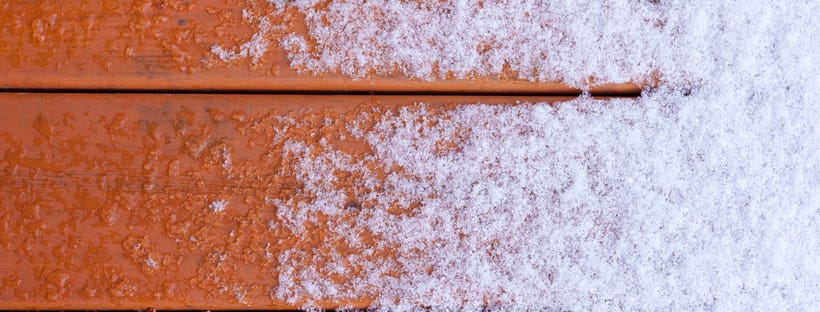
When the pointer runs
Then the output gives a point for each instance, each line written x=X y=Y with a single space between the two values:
x=106 y=199
x=166 y=45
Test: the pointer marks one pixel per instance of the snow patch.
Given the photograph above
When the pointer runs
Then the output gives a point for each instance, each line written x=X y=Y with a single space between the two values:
x=700 y=195
x=151 y=263
x=218 y=205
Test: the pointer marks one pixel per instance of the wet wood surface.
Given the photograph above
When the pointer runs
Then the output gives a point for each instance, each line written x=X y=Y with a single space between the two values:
x=131 y=201
x=167 y=45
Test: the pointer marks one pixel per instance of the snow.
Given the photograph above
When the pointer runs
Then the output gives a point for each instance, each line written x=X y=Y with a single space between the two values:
x=151 y=263
x=218 y=205
x=543 y=41
x=255 y=48
x=226 y=159
x=666 y=202
x=699 y=195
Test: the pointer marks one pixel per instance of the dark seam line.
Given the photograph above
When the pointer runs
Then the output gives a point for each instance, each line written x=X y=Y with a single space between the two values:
x=319 y=92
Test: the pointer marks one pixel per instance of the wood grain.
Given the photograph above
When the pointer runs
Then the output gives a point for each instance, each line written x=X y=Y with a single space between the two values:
x=166 y=45
x=106 y=200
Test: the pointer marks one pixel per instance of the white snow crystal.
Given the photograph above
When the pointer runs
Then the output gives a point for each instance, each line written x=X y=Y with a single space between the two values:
x=151 y=263
x=218 y=205
x=699 y=195
x=255 y=48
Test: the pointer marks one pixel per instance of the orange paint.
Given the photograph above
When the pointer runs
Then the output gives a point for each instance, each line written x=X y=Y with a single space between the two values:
x=165 y=45
x=107 y=201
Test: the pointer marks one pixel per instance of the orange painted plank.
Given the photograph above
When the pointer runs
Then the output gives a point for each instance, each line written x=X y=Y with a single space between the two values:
x=165 y=45
x=112 y=201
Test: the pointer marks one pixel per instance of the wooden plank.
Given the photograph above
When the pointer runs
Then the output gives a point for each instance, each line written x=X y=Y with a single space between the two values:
x=165 y=45
x=108 y=201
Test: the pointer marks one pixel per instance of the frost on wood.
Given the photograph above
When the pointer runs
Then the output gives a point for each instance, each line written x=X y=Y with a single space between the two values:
x=701 y=194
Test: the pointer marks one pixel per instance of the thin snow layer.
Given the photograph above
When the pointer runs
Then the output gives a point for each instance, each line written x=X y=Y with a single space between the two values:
x=578 y=42
x=539 y=40
x=702 y=194
x=622 y=204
